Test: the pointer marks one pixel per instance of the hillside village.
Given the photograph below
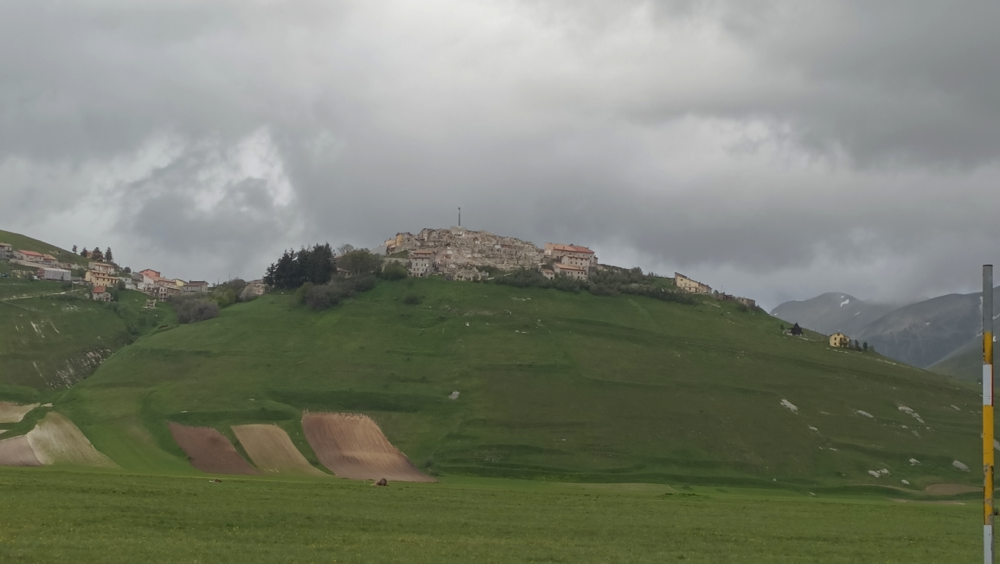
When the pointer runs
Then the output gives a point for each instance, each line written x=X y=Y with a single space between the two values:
x=455 y=253
x=102 y=276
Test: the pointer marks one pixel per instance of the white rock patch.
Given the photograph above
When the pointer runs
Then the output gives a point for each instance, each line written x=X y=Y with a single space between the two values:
x=960 y=466
x=453 y=395
x=790 y=406
x=865 y=413
x=955 y=407
x=905 y=482
x=914 y=462
x=911 y=413
x=879 y=473
x=811 y=428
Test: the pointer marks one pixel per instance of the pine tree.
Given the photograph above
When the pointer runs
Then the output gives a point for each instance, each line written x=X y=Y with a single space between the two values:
x=74 y=249
x=107 y=255
x=84 y=253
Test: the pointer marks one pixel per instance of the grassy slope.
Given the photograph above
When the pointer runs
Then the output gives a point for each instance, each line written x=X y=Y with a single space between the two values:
x=54 y=516
x=51 y=337
x=553 y=385
x=22 y=242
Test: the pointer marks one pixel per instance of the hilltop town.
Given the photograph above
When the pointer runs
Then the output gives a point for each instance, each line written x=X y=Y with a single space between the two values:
x=458 y=253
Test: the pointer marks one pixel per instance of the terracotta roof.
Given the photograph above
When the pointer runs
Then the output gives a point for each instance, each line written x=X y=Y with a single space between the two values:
x=31 y=253
x=99 y=289
x=571 y=248
x=422 y=252
x=197 y=283
x=561 y=266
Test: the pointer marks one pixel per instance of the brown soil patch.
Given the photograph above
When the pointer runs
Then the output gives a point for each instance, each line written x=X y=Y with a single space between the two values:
x=272 y=451
x=352 y=446
x=17 y=452
x=209 y=450
x=950 y=489
x=56 y=440
x=14 y=413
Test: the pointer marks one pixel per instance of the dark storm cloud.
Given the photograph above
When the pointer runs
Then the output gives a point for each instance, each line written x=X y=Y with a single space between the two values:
x=784 y=148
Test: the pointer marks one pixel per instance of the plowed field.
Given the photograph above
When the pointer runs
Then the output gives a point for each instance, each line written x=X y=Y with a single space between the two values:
x=209 y=450
x=56 y=440
x=272 y=451
x=13 y=413
x=352 y=446
x=17 y=452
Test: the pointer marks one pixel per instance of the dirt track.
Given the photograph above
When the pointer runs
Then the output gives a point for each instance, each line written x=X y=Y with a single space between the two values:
x=210 y=451
x=272 y=451
x=13 y=413
x=17 y=452
x=352 y=446
x=56 y=440
x=950 y=489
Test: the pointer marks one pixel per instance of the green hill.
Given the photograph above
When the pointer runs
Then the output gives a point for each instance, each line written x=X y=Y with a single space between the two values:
x=24 y=243
x=552 y=385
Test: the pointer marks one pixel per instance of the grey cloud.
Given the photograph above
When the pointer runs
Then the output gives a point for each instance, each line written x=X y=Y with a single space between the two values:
x=767 y=142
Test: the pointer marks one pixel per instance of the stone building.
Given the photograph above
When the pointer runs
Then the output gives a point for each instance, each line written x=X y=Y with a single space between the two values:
x=569 y=270
x=421 y=263
x=6 y=251
x=840 y=340
x=686 y=284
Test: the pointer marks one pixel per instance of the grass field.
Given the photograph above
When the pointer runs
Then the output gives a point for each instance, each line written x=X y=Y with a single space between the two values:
x=61 y=516
x=553 y=386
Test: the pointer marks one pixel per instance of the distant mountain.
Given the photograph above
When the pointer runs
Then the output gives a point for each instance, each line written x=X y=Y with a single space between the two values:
x=926 y=332
x=832 y=312
x=931 y=333
x=965 y=362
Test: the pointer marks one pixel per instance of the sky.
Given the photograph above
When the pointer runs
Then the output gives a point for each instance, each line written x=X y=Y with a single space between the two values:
x=772 y=149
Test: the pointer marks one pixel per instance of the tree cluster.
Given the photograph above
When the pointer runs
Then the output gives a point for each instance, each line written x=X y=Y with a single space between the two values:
x=316 y=266
x=324 y=296
x=357 y=262
x=227 y=293
x=96 y=255
x=192 y=309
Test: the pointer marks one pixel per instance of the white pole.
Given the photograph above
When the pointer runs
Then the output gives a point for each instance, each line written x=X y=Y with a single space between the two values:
x=988 y=455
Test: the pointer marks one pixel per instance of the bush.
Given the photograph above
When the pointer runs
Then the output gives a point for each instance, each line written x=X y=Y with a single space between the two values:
x=394 y=271
x=412 y=299
x=192 y=309
x=324 y=296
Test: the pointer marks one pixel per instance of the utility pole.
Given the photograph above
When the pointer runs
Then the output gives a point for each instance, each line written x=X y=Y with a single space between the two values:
x=459 y=217
x=988 y=454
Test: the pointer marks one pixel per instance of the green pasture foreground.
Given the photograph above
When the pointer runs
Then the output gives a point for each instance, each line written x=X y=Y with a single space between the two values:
x=61 y=516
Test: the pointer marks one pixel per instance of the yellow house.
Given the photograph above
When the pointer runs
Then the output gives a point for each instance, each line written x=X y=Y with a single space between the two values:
x=840 y=340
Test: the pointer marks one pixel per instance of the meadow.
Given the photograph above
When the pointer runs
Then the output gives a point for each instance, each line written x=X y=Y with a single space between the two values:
x=56 y=515
x=552 y=386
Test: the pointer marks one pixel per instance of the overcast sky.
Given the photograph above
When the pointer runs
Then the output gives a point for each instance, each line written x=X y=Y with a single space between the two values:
x=774 y=149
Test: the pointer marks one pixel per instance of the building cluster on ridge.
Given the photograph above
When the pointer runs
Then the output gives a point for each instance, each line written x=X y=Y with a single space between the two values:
x=101 y=275
x=458 y=253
